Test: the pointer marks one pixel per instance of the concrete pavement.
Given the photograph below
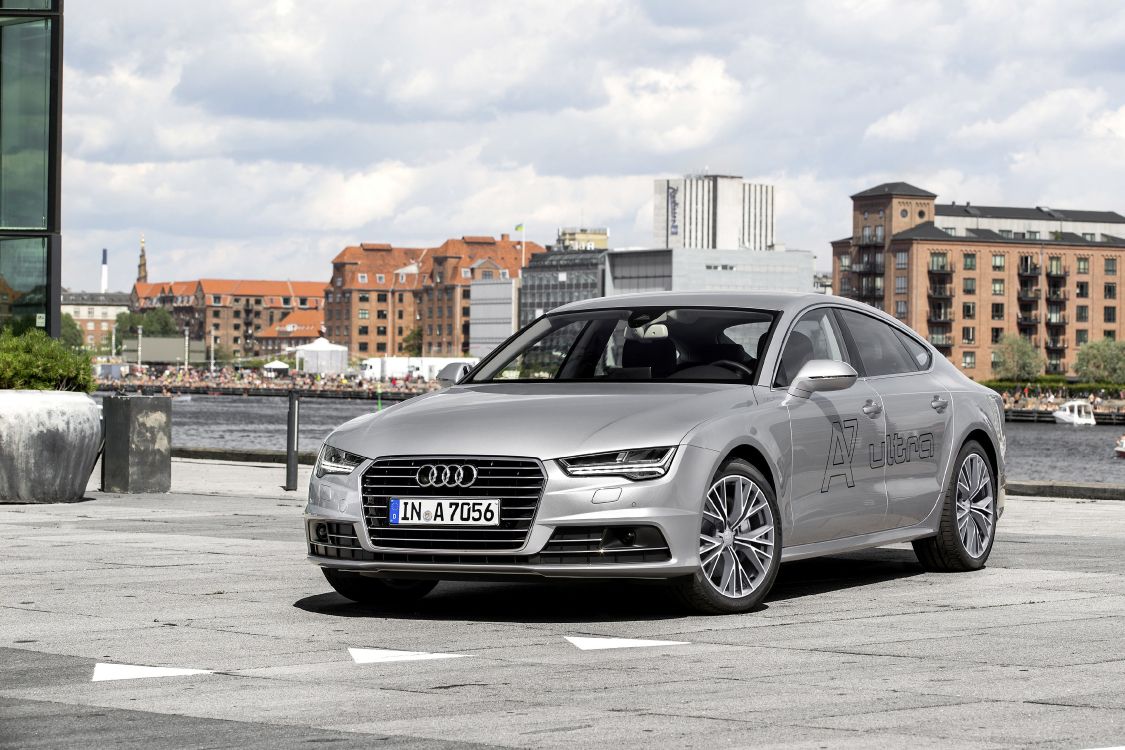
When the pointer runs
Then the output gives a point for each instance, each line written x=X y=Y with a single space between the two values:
x=859 y=650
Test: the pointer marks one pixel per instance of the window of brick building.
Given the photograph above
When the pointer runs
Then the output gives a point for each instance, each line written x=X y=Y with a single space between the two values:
x=398 y=314
x=1081 y=336
x=968 y=360
x=969 y=286
x=1110 y=335
x=363 y=314
x=381 y=346
x=900 y=285
x=969 y=310
x=970 y=261
x=1111 y=290
x=1111 y=266
x=363 y=330
x=900 y=309
x=1082 y=313
x=900 y=259
x=214 y=313
x=364 y=297
x=969 y=334
x=380 y=278
x=363 y=346
x=997 y=262
x=997 y=310
x=362 y=278
x=237 y=314
x=380 y=330
x=997 y=334
x=1110 y=314
x=1083 y=265
x=381 y=314
x=381 y=297
x=998 y=286
x=1083 y=289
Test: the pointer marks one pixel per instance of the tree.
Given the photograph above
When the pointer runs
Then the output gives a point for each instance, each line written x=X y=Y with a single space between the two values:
x=157 y=322
x=69 y=332
x=1016 y=359
x=412 y=344
x=1101 y=362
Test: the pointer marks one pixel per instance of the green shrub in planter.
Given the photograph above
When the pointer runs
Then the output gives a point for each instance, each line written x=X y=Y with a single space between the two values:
x=35 y=361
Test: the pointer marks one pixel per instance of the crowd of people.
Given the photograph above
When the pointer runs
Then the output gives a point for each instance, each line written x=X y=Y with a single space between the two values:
x=1038 y=399
x=176 y=380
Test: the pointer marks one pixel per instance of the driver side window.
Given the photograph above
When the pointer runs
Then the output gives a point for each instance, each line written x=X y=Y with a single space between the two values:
x=815 y=336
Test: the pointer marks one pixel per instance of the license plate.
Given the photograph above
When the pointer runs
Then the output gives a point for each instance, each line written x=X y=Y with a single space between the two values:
x=442 y=512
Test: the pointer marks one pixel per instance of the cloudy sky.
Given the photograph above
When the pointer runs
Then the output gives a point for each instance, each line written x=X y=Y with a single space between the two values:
x=255 y=138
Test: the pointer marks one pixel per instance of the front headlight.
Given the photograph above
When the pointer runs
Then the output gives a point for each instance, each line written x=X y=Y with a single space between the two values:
x=642 y=463
x=335 y=461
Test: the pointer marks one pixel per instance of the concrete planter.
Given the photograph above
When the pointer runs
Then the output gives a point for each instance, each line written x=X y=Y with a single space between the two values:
x=49 y=441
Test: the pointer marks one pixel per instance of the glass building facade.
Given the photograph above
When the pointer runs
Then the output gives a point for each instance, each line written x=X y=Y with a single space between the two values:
x=30 y=160
x=558 y=277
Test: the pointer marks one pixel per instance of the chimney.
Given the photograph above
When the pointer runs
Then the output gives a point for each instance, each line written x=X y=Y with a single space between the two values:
x=504 y=237
x=105 y=270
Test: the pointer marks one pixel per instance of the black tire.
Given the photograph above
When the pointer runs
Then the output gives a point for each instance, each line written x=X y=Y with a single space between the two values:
x=946 y=552
x=377 y=592
x=697 y=592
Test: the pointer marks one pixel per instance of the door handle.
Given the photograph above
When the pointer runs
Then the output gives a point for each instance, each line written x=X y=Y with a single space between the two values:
x=939 y=403
x=872 y=409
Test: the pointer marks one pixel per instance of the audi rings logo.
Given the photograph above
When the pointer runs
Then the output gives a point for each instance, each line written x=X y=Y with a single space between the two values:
x=446 y=475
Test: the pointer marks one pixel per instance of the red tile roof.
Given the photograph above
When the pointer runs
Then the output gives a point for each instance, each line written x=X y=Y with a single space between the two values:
x=297 y=324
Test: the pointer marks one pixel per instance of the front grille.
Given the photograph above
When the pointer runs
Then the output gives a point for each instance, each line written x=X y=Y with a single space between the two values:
x=568 y=545
x=516 y=482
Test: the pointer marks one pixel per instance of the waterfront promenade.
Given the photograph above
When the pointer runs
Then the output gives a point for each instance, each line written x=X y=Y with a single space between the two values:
x=859 y=650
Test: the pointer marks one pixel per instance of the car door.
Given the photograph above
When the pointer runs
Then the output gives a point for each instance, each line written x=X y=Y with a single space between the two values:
x=918 y=412
x=834 y=491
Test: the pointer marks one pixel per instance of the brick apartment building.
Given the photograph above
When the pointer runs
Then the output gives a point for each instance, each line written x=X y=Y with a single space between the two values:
x=964 y=276
x=379 y=294
x=297 y=328
x=230 y=314
x=95 y=313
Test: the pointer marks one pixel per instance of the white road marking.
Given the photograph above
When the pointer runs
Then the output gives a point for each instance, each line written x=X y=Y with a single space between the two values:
x=104 y=672
x=597 y=644
x=378 y=655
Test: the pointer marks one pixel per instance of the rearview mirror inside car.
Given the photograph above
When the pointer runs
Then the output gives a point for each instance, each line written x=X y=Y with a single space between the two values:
x=822 y=375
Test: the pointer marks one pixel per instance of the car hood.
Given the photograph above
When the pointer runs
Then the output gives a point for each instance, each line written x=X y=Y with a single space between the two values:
x=540 y=420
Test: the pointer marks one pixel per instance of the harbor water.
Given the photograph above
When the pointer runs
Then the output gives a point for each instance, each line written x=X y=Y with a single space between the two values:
x=1036 y=451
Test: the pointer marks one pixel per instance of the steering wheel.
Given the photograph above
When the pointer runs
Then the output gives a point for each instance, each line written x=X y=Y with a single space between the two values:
x=730 y=364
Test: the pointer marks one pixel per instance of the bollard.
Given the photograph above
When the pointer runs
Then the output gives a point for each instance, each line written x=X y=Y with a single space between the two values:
x=291 y=442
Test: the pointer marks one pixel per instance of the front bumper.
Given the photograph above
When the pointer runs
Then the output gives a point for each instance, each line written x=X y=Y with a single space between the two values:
x=670 y=505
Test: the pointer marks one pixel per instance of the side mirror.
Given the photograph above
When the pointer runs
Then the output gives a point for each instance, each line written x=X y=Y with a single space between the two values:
x=453 y=374
x=822 y=375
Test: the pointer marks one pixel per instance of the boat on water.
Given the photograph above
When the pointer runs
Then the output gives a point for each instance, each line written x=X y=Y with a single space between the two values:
x=182 y=398
x=1119 y=449
x=1074 y=413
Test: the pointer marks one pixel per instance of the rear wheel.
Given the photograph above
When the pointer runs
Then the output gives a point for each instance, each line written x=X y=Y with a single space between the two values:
x=968 y=517
x=385 y=592
x=739 y=543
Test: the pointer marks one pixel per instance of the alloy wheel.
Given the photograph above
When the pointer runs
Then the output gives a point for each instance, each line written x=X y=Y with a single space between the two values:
x=976 y=505
x=736 y=536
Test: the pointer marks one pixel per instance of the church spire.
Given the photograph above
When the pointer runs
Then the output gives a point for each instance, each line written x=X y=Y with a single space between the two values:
x=142 y=266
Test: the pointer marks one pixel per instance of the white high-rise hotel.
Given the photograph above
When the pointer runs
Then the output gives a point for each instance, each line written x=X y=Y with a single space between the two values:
x=712 y=212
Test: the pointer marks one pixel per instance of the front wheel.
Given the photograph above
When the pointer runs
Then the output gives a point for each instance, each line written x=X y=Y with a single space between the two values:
x=968 y=517
x=739 y=543
x=378 y=592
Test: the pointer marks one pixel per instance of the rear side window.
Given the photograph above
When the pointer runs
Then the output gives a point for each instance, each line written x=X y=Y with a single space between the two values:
x=918 y=353
x=877 y=345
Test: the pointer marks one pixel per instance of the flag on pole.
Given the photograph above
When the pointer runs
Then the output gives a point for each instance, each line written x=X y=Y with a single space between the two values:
x=519 y=227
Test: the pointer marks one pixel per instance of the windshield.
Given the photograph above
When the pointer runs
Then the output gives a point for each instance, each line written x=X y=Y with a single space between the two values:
x=638 y=344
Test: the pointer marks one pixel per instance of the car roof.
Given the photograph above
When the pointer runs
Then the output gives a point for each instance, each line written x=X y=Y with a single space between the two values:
x=779 y=301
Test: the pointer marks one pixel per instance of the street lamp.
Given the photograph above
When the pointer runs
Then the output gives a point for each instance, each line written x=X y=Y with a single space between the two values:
x=140 y=343
x=185 y=348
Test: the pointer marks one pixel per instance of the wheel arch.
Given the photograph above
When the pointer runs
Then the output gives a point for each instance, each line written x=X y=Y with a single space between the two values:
x=755 y=457
x=981 y=436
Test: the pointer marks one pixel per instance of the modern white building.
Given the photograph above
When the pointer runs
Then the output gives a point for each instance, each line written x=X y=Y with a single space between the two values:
x=653 y=270
x=493 y=314
x=712 y=211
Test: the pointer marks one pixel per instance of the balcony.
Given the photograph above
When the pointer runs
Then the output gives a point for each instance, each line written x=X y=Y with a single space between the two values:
x=941 y=292
x=1056 y=344
x=1058 y=295
x=1029 y=295
x=868 y=267
x=940 y=317
x=867 y=293
x=1056 y=368
x=1057 y=272
x=1056 y=320
x=1029 y=269
x=868 y=240
x=941 y=340
x=1028 y=320
x=940 y=269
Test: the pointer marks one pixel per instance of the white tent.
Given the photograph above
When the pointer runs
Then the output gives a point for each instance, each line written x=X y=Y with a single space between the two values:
x=322 y=356
x=277 y=364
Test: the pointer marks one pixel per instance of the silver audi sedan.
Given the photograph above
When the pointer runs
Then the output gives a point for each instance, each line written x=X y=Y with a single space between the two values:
x=698 y=438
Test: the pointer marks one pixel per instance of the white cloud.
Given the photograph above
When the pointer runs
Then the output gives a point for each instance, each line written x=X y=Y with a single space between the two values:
x=250 y=138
